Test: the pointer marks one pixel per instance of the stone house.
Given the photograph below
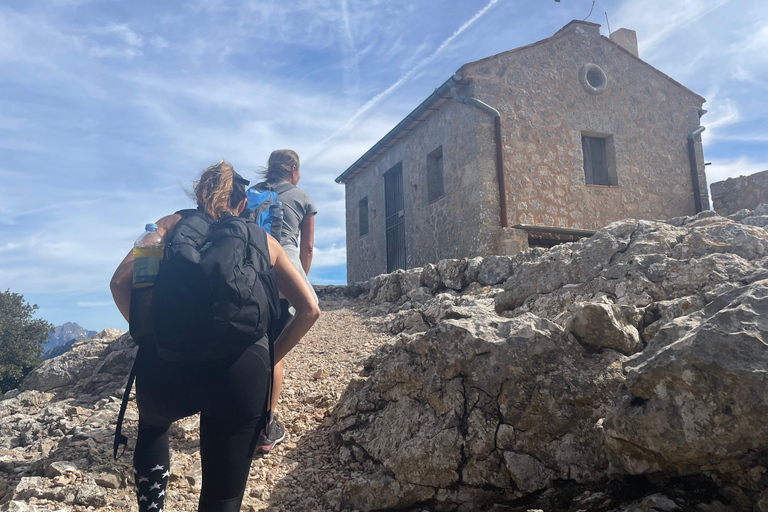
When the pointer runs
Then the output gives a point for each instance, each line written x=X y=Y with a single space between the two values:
x=537 y=145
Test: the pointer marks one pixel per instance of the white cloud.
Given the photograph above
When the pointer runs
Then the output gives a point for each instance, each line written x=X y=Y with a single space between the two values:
x=749 y=55
x=159 y=42
x=124 y=32
x=14 y=123
x=99 y=52
x=351 y=67
x=722 y=112
x=99 y=304
x=129 y=50
x=30 y=39
x=657 y=20
x=722 y=169
x=330 y=257
x=18 y=144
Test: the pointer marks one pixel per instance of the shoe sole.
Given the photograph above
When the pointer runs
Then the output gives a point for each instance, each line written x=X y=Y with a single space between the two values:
x=268 y=447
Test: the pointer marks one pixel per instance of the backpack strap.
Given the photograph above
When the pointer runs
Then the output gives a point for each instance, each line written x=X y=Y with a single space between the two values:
x=188 y=234
x=257 y=241
x=120 y=439
x=282 y=187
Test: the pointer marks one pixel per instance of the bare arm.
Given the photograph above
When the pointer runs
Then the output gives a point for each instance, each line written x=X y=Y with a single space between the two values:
x=296 y=289
x=307 y=242
x=122 y=279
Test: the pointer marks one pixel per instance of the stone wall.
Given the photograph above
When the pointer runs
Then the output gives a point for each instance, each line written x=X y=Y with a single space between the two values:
x=465 y=221
x=744 y=192
x=545 y=109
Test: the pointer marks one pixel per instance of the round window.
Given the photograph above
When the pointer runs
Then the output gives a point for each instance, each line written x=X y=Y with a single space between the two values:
x=592 y=78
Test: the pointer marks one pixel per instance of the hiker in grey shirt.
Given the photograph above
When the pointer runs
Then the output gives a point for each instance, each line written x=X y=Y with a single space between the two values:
x=297 y=239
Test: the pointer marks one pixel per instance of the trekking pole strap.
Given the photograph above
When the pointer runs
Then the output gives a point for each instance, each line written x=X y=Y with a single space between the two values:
x=120 y=439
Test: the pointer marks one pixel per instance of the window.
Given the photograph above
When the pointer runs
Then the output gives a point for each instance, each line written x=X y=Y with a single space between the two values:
x=363 y=219
x=599 y=160
x=435 y=188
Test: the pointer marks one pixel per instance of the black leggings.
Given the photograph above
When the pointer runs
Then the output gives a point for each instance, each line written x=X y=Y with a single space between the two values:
x=231 y=395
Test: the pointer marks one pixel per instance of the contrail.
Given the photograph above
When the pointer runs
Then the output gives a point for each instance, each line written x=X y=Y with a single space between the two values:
x=347 y=27
x=365 y=108
x=351 y=70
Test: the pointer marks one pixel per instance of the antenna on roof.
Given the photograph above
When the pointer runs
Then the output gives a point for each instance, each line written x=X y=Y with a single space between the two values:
x=590 y=11
x=608 y=23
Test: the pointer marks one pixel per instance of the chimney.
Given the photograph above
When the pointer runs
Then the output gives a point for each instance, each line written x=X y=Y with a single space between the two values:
x=627 y=39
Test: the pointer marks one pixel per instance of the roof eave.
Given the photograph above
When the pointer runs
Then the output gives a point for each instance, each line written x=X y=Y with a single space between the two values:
x=417 y=115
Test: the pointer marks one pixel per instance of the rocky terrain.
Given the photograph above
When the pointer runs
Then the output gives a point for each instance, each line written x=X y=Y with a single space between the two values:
x=625 y=372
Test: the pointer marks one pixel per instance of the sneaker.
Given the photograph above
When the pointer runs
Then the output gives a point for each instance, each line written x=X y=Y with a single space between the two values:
x=271 y=436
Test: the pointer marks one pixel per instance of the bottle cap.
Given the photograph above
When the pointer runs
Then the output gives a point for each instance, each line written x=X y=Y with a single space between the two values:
x=150 y=227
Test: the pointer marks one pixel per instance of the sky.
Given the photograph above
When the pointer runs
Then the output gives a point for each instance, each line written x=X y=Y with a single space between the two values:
x=110 y=108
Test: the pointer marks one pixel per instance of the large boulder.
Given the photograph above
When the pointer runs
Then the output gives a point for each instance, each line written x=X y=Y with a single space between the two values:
x=92 y=366
x=483 y=403
x=697 y=399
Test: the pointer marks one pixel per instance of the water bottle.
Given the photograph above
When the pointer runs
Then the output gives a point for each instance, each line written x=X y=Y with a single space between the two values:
x=276 y=213
x=147 y=255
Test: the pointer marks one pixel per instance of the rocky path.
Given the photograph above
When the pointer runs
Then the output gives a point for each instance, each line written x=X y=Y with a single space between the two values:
x=303 y=473
x=56 y=436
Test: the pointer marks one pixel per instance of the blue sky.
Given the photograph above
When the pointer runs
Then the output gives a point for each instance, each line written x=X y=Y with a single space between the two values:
x=109 y=108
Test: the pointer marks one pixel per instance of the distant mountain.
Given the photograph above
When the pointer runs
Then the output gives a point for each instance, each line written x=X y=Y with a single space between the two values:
x=64 y=333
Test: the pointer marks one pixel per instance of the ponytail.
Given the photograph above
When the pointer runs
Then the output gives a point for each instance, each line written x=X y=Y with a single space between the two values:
x=218 y=191
x=279 y=165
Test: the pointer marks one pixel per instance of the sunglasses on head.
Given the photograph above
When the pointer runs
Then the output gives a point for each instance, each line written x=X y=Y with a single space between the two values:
x=240 y=180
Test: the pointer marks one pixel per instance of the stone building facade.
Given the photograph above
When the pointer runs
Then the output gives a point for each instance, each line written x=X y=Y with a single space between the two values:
x=744 y=192
x=558 y=138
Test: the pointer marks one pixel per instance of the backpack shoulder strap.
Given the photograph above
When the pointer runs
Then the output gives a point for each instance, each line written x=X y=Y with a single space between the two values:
x=189 y=233
x=283 y=186
x=257 y=240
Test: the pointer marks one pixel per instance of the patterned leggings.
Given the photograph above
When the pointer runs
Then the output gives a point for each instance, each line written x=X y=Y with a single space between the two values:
x=231 y=396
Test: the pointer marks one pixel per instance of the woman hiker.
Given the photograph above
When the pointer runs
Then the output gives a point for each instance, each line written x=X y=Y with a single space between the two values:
x=230 y=393
x=281 y=176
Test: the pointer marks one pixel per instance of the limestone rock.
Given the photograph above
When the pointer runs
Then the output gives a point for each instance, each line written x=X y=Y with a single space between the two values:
x=564 y=264
x=430 y=276
x=379 y=491
x=720 y=235
x=698 y=402
x=473 y=269
x=431 y=397
x=410 y=280
x=495 y=270
x=385 y=288
x=452 y=273
x=600 y=325
x=88 y=365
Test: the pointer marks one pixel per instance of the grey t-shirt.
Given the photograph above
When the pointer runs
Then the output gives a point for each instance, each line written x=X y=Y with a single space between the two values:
x=297 y=204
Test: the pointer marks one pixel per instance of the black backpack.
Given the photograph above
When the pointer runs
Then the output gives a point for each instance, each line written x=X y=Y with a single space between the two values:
x=215 y=294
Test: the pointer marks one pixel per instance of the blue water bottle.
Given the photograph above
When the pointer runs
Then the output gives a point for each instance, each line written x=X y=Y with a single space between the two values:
x=277 y=214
